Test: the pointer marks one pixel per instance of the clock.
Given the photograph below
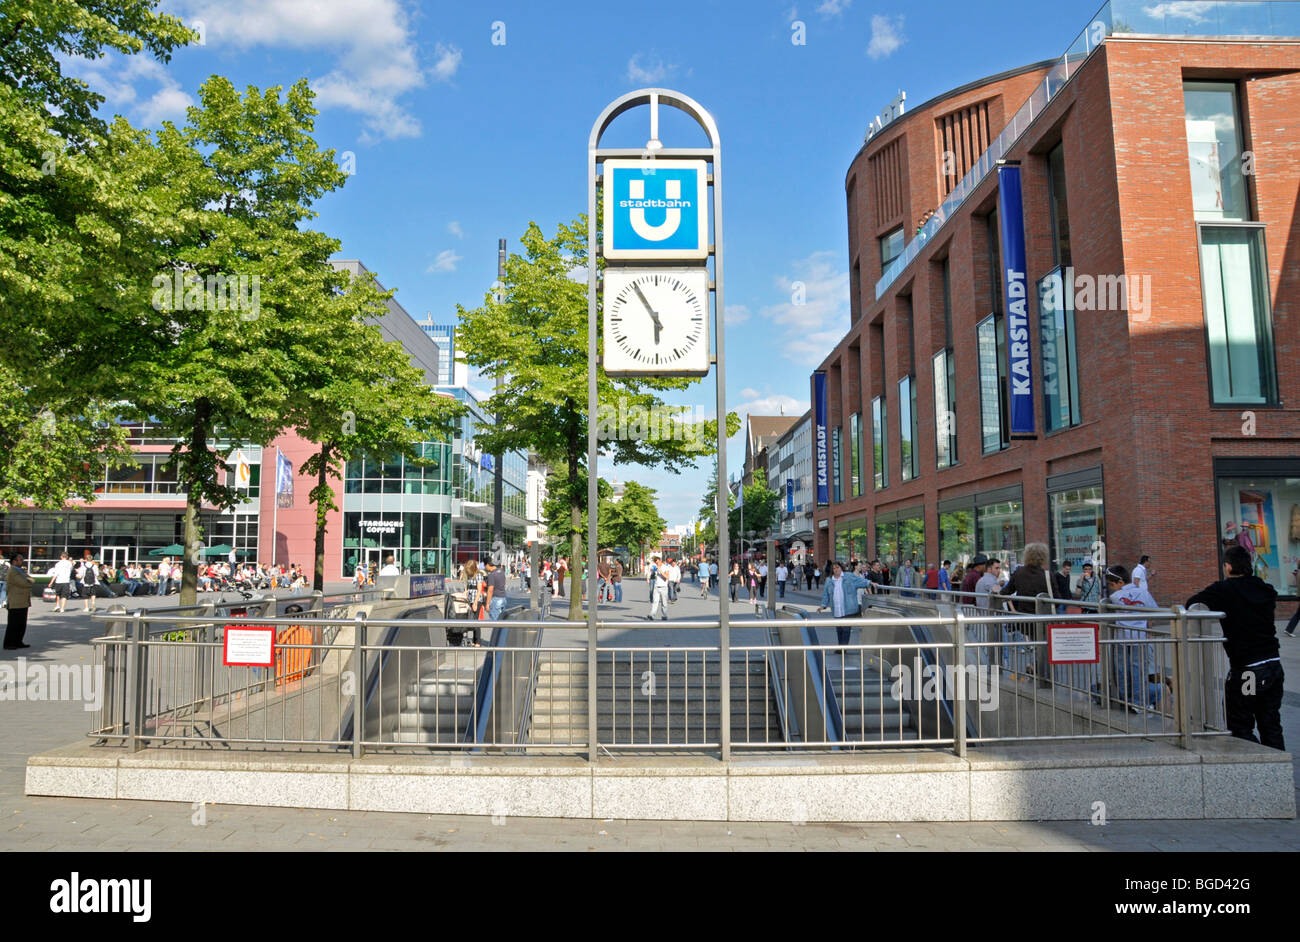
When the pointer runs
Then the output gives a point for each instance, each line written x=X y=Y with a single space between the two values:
x=656 y=322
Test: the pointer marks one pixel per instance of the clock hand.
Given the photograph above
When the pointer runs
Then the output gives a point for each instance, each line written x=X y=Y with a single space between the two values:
x=653 y=316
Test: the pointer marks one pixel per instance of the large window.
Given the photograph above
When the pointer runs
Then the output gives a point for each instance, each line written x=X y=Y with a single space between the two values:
x=855 y=455
x=1214 y=151
x=1078 y=525
x=879 y=443
x=945 y=410
x=891 y=246
x=1001 y=530
x=993 y=384
x=1238 y=319
x=396 y=476
x=1262 y=513
x=957 y=535
x=907 y=426
x=851 y=540
x=837 y=487
x=1060 y=361
x=887 y=542
x=1060 y=211
x=149 y=475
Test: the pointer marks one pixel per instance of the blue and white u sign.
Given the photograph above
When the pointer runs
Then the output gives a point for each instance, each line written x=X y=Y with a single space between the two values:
x=656 y=209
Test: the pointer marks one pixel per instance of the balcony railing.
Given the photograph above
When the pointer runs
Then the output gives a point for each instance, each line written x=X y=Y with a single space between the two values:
x=1272 y=18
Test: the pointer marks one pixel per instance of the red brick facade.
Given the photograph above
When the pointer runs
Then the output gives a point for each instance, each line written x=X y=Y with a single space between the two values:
x=1146 y=417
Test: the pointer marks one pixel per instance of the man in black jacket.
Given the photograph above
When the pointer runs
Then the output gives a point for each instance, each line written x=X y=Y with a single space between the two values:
x=1252 y=692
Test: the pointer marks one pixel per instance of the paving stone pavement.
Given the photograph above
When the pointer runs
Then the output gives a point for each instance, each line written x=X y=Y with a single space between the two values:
x=66 y=824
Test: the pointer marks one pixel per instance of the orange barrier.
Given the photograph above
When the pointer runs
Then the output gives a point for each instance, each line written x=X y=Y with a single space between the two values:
x=292 y=663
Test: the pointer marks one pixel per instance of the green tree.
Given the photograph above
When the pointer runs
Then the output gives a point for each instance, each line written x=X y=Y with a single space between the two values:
x=633 y=521
x=760 y=507
x=709 y=509
x=79 y=214
x=357 y=395
x=535 y=340
x=224 y=363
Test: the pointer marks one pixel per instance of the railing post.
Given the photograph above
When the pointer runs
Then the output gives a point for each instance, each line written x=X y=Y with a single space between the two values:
x=359 y=691
x=592 y=635
x=1181 y=662
x=959 y=695
x=135 y=681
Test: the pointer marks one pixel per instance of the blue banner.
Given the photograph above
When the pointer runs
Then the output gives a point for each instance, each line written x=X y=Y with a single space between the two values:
x=283 y=481
x=1020 y=369
x=789 y=495
x=819 y=439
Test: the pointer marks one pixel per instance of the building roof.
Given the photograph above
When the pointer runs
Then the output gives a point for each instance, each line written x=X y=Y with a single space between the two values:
x=763 y=430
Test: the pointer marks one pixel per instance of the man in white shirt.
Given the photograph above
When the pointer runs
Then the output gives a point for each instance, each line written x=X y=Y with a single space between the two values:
x=762 y=580
x=1140 y=576
x=390 y=568
x=62 y=580
x=782 y=574
x=658 y=580
x=1131 y=663
x=674 y=580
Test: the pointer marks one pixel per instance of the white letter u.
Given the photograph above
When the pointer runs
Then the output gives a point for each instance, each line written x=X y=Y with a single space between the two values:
x=673 y=217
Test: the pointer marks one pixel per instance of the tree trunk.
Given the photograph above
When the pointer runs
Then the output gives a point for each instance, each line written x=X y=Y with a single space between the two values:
x=193 y=553
x=318 y=564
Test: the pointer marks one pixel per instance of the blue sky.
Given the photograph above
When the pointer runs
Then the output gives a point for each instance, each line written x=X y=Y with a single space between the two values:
x=459 y=140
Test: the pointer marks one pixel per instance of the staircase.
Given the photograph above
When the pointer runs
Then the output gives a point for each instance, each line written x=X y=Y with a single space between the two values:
x=682 y=707
x=870 y=713
x=438 y=706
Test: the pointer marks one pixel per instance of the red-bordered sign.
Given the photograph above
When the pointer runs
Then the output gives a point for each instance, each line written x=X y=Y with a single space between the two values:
x=248 y=646
x=1076 y=642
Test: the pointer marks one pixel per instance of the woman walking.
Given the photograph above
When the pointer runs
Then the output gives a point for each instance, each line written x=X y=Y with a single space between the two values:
x=735 y=579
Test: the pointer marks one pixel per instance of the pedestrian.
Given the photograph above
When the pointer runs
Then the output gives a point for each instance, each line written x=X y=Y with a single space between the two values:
x=734 y=580
x=4 y=571
x=1252 y=692
x=61 y=578
x=496 y=590
x=713 y=573
x=1142 y=573
x=782 y=574
x=18 y=585
x=1089 y=586
x=1029 y=581
x=474 y=597
x=616 y=580
x=674 y=580
x=840 y=595
x=657 y=581
x=707 y=581
x=945 y=576
x=978 y=566
x=762 y=579
x=1295 y=617
x=1131 y=663
x=91 y=583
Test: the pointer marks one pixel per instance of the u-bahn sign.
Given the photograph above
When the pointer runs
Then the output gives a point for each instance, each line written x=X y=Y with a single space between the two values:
x=656 y=209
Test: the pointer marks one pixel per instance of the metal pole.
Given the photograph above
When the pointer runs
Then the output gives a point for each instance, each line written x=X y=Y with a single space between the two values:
x=359 y=692
x=135 y=680
x=771 y=575
x=1181 y=662
x=724 y=562
x=592 y=479
x=959 y=695
x=275 y=508
x=498 y=529
x=534 y=558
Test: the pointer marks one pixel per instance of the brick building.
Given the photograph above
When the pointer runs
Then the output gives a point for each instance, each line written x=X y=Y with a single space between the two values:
x=1160 y=166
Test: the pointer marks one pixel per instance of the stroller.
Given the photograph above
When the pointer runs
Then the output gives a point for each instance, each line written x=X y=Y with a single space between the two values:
x=458 y=608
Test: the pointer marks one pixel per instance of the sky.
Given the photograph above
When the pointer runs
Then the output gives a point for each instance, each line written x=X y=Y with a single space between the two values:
x=464 y=122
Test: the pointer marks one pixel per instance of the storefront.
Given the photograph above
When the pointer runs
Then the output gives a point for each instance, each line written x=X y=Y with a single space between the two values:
x=851 y=539
x=900 y=536
x=1077 y=508
x=991 y=522
x=1258 y=506
x=400 y=509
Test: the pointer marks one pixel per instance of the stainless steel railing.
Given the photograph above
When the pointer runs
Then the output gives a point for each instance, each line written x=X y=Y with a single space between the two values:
x=919 y=675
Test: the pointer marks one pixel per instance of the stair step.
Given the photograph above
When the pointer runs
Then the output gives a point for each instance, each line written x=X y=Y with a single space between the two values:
x=429 y=703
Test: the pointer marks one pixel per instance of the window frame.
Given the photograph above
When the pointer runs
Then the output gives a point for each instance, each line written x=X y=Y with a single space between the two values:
x=1273 y=399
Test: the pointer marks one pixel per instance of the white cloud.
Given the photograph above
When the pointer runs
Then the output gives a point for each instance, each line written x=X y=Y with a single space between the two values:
x=454 y=228
x=1179 y=10
x=792 y=14
x=736 y=314
x=833 y=7
x=120 y=78
x=749 y=393
x=886 y=35
x=375 y=58
x=444 y=70
x=652 y=72
x=809 y=330
x=446 y=261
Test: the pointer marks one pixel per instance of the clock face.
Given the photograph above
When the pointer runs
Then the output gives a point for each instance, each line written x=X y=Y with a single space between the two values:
x=657 y=322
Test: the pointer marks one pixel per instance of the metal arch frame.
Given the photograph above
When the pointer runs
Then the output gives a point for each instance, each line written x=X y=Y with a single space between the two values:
x=654 y=97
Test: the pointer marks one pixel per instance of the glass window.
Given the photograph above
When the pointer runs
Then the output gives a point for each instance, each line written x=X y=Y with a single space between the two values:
x=1060 y=212
x=879 y=443
x=1214 y=151
x=891 y=246
x=911 y=539
x=851 y=540
x=1238 y=320
x=887 y=543
x=1263 y=514
x=837 y=494
x=992 y=371
x=1001 y=531
x=907 y=426
x=1060 y=362
x=945 y=411
x=855 y=455
x=1078 y=526
x=957 y=535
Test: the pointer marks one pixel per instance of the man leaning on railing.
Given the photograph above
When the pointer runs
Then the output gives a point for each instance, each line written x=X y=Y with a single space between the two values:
x=840 y=595
x=1252 y=692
